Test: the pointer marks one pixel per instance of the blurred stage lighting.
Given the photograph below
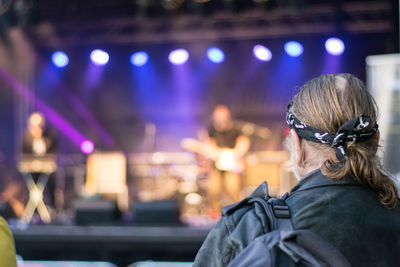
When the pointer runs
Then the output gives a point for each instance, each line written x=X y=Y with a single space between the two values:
x=99 y=57
x=60 y=59
x=334 y=46
x=293 y=48
x=262 y=53
x=178 y=56
x=215 y=54
x=139 y=58
x=87 y=147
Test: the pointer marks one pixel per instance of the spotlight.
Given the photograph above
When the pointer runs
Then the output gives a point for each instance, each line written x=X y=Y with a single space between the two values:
x=60 y=59
x=178 y=56
x=87 y=147
x=262 y=53
x=99 y=57
x=139 y=58
x=215 y=54
x=294 y=49
x=334 y=46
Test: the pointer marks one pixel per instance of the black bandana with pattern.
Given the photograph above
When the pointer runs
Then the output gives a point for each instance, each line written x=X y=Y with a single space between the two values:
x=350 y=131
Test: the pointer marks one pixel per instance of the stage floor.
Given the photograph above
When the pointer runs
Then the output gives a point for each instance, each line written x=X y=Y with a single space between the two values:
x=120 y=245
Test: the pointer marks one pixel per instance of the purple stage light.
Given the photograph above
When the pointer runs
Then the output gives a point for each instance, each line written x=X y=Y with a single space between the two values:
x=87 y=147
x=215 y=54
x=334 y=46
x=139 y=58
x=293 y=48
x=99 y=57
x=178 y=56
x=60 y=59
x=80 y=108
x=262 y=53
x=24 y=92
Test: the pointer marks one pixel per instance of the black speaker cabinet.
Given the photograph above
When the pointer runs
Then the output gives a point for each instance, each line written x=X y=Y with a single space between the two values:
x=95 y=212
x=156 y=213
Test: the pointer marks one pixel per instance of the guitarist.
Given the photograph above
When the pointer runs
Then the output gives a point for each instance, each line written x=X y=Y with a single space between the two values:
x=226 y=146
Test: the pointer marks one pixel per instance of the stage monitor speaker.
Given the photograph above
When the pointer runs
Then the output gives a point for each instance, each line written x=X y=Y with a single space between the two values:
x=95 y=212
x=164 y=212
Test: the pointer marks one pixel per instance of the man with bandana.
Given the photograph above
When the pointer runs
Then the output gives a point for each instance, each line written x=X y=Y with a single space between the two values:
x=343 y=194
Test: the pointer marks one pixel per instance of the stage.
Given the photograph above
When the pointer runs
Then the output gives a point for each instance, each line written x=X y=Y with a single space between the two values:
x=121 y=245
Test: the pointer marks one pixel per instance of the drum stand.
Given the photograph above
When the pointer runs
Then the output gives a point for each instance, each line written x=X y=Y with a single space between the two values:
x=36 y=198
x=45 y=166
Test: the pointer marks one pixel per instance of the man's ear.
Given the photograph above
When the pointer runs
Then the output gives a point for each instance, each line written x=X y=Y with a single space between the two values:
x=296 y=147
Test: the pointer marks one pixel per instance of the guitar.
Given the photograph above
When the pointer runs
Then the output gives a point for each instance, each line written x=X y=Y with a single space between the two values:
x=225 y=158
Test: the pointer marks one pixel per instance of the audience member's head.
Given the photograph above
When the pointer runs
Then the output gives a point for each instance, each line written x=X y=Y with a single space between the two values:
x=333 y=127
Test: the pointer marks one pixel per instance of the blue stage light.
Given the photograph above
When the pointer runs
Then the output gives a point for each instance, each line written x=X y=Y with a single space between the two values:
x=334 y=46
x=262 y=53
x=293 y=48
x=178 y=56
x=99 y=57
x=215 y=54
x=60 y=59
x=139 y=58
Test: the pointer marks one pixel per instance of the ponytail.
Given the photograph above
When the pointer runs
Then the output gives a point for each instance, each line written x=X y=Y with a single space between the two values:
x=364 y=166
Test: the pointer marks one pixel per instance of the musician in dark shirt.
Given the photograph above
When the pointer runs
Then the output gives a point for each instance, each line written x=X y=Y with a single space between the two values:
x=229 y=147
x=225 y=138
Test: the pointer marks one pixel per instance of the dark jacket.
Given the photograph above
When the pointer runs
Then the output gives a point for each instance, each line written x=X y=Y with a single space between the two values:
x=345 y=213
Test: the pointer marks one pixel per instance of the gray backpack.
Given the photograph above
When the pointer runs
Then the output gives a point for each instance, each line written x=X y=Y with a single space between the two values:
x=284 y=246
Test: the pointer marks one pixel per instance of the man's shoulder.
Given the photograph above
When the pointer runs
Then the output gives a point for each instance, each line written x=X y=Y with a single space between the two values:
x=248 y=218
x=240 y=224
x=261 y=192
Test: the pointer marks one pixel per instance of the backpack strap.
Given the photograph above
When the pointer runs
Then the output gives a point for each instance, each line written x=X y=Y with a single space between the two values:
x=276 y=209
x=282 y=214
x=260 y=194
